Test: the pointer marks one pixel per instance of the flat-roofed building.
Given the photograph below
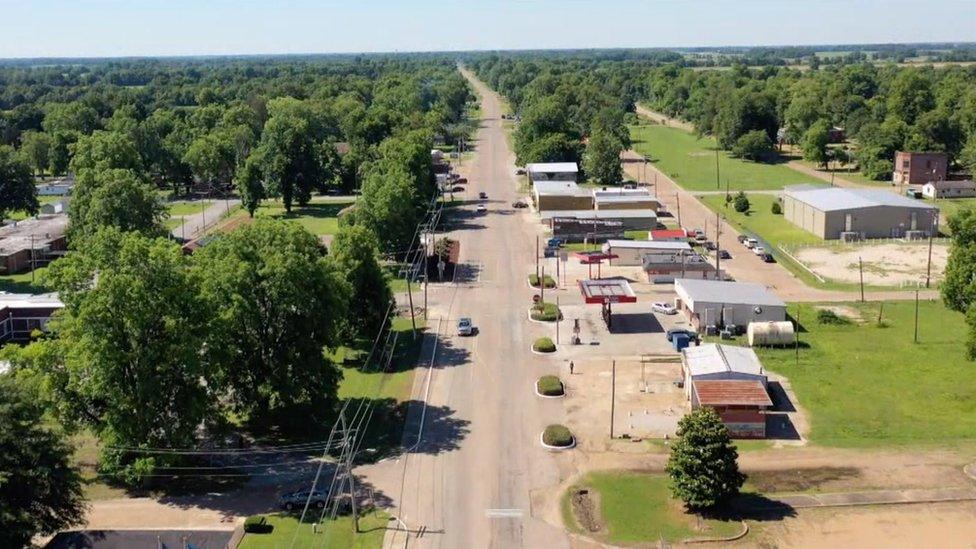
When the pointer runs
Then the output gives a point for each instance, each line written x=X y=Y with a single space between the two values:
x=722 y=303
x=32 y=242
x=597 y=225
x=21 y=314
x=949 y=189
x=664 y=268
x=560 y=195
x=730 y=380
x=624 y=199
x=552 y=171
x=853 y=214
x=632 y=252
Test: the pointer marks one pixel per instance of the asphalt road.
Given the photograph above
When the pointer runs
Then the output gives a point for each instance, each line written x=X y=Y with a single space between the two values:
x=469 y=480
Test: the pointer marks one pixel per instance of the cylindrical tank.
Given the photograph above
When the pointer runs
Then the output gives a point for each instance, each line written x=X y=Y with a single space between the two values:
x=770 y=334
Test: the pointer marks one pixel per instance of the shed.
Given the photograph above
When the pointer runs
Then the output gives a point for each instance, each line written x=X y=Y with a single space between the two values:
x=853 y=214
x=949 y=189
x=721 y=303
x=741 y=404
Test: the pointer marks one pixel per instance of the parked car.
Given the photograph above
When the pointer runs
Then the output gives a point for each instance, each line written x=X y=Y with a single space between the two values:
x=519 y=171
x=742 y=238
x=751 y=243
x=554 y=243
x=664 y=308
x=692 y=335
x=710 y=246
x=767 y=257
x=457 y=189
x=465 y=327
x=758 y=250
x=481 y=208
x=483 y=195
x=630 y=187
x=462 y=181
x=519 y=204
x=296 y=500
x=724 y=254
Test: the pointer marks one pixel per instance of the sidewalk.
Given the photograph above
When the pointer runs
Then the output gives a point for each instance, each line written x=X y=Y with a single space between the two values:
x=850 y=499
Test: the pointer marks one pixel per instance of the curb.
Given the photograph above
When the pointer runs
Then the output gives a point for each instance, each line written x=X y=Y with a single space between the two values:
x=536 y=288
x=535 y=387
x=556 y=448
x=733 y=537
x=540 y=353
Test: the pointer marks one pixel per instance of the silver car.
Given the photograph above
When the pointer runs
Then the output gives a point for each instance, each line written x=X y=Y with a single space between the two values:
x=465 y=327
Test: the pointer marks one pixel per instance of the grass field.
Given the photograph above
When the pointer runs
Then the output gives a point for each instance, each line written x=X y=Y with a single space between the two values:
x=186 y=207
x=760 y=220
x=948 y=208
x=637 y=508
x=866 y=386
x=338 y=533
x=690 y=162
x=21 y=283
x=320 y=218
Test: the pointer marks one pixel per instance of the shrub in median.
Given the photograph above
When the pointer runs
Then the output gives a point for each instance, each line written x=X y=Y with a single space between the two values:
x=544 y=345
x=534 y=281
x=557 y=435
x=546 y=312
x=549 y=386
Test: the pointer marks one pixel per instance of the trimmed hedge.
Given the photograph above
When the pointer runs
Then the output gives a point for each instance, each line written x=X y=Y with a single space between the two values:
x=557 y=435
x=549 y=386
x=534 y=281
x=544 y=345
x=546 y=312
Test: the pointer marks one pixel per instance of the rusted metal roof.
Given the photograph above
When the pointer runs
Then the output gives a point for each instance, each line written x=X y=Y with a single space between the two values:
x=731 y=393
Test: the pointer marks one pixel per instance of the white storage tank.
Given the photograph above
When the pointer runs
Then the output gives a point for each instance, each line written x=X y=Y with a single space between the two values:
x=770 y=334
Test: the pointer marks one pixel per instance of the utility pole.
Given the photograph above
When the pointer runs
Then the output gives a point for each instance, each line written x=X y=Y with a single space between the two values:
x=928 y=268
x=860 y=268
x=718 y=246
x=33 y=261
x=916 y=316
x=413 y=320
x=613 y=394
x=677 y=199
x=718 y=182
x=542 y=286
x=559 y=315
x=537 y=257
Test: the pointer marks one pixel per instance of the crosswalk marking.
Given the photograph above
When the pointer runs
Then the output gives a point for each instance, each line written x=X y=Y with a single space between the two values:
x=503 y=513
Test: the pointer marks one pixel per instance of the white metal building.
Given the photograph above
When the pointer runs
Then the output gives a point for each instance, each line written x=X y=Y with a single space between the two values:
x=632 y=252
x=949 y=189
x=721 y=303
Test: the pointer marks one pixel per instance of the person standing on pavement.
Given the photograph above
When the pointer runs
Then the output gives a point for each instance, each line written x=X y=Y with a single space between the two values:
x=571 y=366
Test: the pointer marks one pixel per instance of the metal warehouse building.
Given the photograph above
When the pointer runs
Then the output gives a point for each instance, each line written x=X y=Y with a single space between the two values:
x=560 y=195
x=853 y=214
x=731 y=380
x=720 y=303
x=552 y=171
x=624 y=199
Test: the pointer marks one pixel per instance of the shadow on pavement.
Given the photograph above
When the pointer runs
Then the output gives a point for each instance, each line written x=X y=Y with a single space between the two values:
x=636 y=323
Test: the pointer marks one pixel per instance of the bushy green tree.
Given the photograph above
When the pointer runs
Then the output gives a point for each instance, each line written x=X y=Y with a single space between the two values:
x=752 y=145
x=36 y=148
x=17 y=189
x=741 y=202
x=277 y=301
x=131 y=334
x=703 y=465
x=601 y=161
x=814 y=143
x=354 y=251
x=115 y=198
x=40 y=489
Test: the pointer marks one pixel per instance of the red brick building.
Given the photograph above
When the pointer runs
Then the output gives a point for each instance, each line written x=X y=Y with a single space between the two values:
x=740 y=403
x=918 y=168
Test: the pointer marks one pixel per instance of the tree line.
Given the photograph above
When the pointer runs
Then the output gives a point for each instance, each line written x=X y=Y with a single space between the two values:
x=158 y=349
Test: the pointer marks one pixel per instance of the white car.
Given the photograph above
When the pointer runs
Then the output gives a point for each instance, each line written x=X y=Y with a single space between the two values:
x=481 y=208
x=759 y=250
x=751 y=243
x=664 y=308
x=464 y=327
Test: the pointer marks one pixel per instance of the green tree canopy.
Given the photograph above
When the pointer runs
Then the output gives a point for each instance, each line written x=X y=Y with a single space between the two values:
x=703 y=464
x=814 y=143
x=278 y=301
x=40 y=490
x=115 y=198
x=17 y=189
x=36 y=148
x=601 y=161
x=354 y=251
x=752 y=145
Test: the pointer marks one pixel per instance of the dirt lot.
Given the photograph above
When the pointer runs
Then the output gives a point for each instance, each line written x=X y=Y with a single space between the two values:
x=884 y=264
x=943 y=525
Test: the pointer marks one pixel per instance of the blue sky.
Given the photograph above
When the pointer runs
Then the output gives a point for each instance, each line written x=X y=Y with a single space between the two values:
x=32 y=28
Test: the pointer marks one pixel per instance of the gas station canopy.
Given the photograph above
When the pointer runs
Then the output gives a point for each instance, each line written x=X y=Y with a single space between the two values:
x=607 y=290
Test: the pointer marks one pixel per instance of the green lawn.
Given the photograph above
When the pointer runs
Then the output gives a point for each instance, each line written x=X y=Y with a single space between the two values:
x=321 y=218
x=18 y=215
x=21 y=283
x=690 y=162
x=187 y=207
x=865 y=385
x=637 y=508
x=760 y=220
x=948 y=208
x=338 y=533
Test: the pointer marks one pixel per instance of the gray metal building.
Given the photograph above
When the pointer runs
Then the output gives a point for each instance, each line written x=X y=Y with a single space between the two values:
x=854 y=214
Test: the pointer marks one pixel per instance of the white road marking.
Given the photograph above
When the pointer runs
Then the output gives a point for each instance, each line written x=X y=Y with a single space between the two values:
x=503 y=513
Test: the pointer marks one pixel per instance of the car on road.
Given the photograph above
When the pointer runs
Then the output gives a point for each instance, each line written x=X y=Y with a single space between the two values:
x=519 y=204
x=723 y=254
x=554 y=243
x=481 y=208
x=664 y=308
x=750 y=243
x=758 y=250
x=462 y=181
x=483 y=195
x=742 y=238
x=767 y=257
x=710 y=246
x=296 y=500
x=457 y=189
x=465 y=327
x=692 y=334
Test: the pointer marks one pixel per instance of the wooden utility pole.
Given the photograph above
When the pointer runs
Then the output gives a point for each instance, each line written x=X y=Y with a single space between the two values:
x=928 y=268
x=860 y=268
x=413 y=320
x=613 y=394
x=537 y=257
x=558 y=318
x=718 y=182
x=542 y=286
x=718 y=246
x=916 y=316
x=677 y=199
